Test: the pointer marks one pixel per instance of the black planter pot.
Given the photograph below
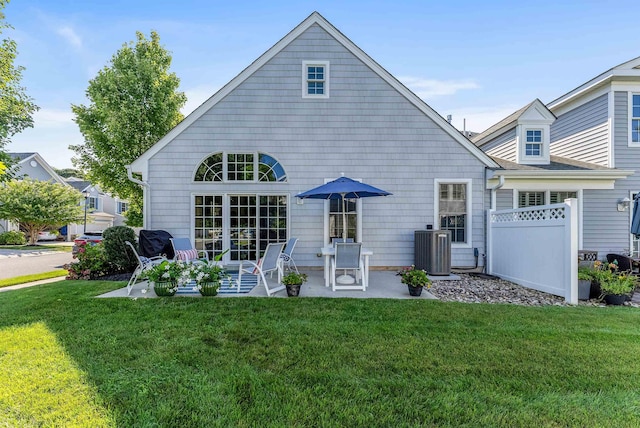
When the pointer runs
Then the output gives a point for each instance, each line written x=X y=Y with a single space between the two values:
x=615 y=299
x=293 y=290
x=415 y=291
x=595 y=291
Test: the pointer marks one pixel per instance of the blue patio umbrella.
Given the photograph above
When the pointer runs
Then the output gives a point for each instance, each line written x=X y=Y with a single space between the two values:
x=635 y=220
x=343 y=188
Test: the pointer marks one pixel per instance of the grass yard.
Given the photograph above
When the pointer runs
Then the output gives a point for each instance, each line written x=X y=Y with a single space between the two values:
x=182 y=362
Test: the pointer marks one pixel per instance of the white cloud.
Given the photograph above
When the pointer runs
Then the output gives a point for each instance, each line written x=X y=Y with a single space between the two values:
x=426 y=88
x=70 y=36
x=53 y=118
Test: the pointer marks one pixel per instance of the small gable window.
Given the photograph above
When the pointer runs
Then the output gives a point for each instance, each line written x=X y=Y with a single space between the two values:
x=635 y=118
x=315 y=79
x=533 y=145
x=223 y=167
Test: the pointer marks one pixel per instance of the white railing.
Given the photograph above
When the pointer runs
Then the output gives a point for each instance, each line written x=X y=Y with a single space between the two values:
x=536 y=247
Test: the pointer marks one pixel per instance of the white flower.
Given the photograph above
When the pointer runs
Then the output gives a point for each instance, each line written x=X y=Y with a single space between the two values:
x=143 y=291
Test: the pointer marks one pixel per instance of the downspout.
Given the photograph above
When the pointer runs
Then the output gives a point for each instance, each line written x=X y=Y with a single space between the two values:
x=145 y=188
x=493 y=198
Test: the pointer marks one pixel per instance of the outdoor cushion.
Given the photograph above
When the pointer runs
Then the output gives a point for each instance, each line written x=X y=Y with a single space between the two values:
x=187 y=255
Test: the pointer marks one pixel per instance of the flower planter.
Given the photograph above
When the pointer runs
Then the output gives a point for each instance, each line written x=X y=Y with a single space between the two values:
x=293 y=290
x=415 y=291
x=595 y=291
x=615 y=299
x=165 y=289
x=584 y=289
x=209 y=288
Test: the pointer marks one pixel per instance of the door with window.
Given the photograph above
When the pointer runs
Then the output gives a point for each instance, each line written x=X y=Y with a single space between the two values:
x=242 y=224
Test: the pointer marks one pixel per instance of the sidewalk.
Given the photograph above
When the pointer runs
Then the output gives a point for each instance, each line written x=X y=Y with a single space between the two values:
x=31 y=284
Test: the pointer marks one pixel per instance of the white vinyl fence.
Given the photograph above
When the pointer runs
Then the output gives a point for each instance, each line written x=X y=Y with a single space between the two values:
x=536 y=247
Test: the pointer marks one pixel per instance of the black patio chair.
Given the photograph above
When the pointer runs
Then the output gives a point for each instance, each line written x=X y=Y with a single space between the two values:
x=625 y=263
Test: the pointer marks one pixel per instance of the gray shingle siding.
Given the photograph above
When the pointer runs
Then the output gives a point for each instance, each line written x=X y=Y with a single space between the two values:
x=365 y=129
x=583 y=133
x=503 y=147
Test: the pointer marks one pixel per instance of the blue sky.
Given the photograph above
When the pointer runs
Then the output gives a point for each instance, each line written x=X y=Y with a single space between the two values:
x=478 y=61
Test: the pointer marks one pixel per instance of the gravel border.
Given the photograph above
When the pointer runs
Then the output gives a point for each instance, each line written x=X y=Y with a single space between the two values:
x=474 y=289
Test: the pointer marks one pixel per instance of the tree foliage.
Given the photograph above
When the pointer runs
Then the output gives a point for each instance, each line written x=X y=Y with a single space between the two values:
x=16 y=108
x=69 y=172
x=37 y=205
x=133 y=103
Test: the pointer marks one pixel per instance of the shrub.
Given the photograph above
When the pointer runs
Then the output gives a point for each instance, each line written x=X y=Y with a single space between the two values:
x=12 y=238
x=114 y=245
x=92 y=263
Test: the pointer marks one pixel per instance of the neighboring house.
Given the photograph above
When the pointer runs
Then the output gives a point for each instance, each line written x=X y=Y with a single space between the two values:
x=312 y=107
x=33 y=166
x=585 y=144
x=103 y=210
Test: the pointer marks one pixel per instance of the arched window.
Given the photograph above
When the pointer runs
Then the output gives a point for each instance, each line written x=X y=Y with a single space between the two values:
x=240 y=167
x=210 y=169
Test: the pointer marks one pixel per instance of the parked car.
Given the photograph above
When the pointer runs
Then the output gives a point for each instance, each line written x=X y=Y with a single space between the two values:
x=47 y=236
x=89 y=238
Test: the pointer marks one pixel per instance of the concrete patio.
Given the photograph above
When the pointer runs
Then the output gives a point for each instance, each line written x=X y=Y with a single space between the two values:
x=382 y=285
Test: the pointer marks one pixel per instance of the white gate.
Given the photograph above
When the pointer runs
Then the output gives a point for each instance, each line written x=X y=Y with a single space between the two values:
x=536 y=247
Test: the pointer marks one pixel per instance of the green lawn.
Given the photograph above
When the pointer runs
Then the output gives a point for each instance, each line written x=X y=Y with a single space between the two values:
x=206 y=362
x=38 y=247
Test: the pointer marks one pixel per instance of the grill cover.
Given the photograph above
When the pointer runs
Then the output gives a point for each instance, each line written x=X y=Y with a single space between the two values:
x=155 y=243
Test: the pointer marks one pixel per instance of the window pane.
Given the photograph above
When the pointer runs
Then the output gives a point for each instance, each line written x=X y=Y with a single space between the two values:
x=453 y=210
x=336 y=219
x=210 y=169
x=240 y=167
x=208 y=232
x=635 y=130
x=532 y=149
x=270 y=169
x=529 y=199
x=557 y=197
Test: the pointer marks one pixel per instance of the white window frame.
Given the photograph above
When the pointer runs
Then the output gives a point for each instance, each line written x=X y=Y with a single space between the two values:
x=305 y=65
x=97 y=204
x=325 y=221
x=521 y=137
x=540 y=143
x=225 y=168
x=631 y=118
x=119 y=207
x=226 y=214
x=469 y=203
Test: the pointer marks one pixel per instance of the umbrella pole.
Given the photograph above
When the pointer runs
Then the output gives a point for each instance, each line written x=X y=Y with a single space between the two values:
x=344 y=278
x=344 y=219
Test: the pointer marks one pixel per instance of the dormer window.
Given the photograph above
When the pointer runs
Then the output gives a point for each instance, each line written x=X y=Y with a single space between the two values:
x=635 y=119
x=533 y=146
x=315 y=79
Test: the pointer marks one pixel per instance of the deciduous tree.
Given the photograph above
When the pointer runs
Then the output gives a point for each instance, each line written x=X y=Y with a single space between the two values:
x=37 y=205
x=16 y=108
x=134 y=102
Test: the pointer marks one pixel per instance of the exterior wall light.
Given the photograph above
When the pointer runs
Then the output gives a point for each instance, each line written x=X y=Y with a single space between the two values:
x=623 y=204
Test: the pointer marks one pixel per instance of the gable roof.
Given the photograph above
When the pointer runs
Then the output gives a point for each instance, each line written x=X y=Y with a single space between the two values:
x=139 y=165
x=629 y=70
x=510 y=122
x=23 y=158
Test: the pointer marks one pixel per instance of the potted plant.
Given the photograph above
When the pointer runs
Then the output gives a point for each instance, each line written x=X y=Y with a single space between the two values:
x=416 y=279
x=293 y=281
x=585 y=277
x=208 y=277
x=167 y=276
x=617 y=287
